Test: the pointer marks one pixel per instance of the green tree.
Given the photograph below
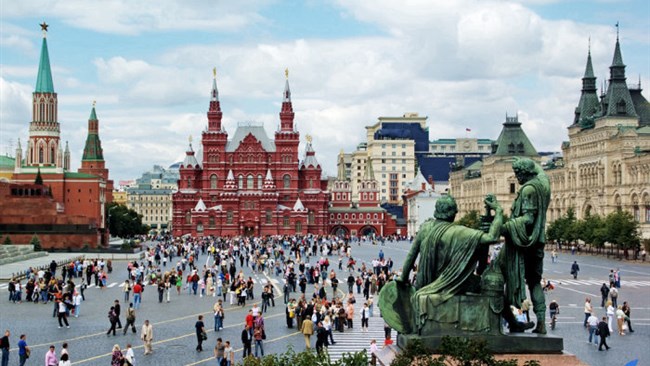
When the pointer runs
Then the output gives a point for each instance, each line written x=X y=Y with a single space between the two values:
x=471 y=220
x=592 y=231
x=7 y=240
x=564 y=229
x=36 y=242
x=622 y=231
x=124 y=222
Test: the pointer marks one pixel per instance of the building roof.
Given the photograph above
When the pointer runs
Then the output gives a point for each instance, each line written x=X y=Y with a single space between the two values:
x=617 y=101
x=190 y=159
x=44 y=82
x=310 y=157
x=93 y=149
x=438 y=167
x=243 y=130
x=513 y=140
x=200 y=206
x=298 y=206
x=7 y=162
x=641 y=105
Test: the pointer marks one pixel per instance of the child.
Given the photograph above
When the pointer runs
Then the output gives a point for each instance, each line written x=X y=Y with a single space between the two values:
x=373 y=352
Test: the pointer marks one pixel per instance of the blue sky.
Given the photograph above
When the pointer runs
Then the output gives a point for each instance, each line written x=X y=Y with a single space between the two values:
x=148 y=64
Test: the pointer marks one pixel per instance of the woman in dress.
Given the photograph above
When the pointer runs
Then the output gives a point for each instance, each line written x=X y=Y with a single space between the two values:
x=116 y=358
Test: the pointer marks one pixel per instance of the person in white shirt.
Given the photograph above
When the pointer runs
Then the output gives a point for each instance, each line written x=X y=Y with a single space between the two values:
x=592 y=324
x=76 y=301
x=610 y=315
x=588 y=310
x=129 y=356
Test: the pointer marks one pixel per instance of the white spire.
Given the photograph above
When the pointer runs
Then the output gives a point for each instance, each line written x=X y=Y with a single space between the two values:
x=200 y=206
x=231 y=176
x=269 y=177
x=298 y=206
x=214 y=95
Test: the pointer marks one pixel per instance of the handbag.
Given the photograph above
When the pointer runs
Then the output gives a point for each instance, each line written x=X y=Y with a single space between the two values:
x=204 y=335
x=263 y=334
x=597 y=332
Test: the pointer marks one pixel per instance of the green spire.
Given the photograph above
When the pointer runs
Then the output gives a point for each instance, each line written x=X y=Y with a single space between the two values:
x=589 y=69
x=93 y=149
x=618 y=58
x=44 y=82
x=93 y=115
x=513 y=140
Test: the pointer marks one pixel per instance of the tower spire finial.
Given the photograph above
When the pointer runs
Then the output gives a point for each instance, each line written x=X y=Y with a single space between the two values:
x=589 y=45
x=286 y=73
x=617 y=31
x=214 y=72
x=44 y=28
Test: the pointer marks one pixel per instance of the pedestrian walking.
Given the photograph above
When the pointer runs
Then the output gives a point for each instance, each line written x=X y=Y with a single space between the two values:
x=228 y=355
x=626 y=310
x=113 y=319
x=365 y=313
x=613 y=295
x=117 y=359
x=5 y=346
x=219 y=350
x=620 y=320
x=218 y=315
x=575 y=268
x=307 y=329
x=126 y=287
x=611 y=312
x=603 y=332
x=129 y=355
x=65 y=360
x=137 y=295
x=23 y=350
x=373 y=352
x=76 y=301
x=201 y=335
x=604 y=293
x=50 y=357
x=62 y=313
x=592 y=326
x=146 y=334
x=246 y=341
x=258 y=336
x=588 y=310
x=321 y=337
x=130 y=319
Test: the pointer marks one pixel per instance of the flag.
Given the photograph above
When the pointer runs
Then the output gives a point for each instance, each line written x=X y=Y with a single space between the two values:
x=468 y=130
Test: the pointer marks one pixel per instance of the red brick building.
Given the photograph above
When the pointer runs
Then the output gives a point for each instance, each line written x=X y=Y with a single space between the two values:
x=250 y=184
x=75 y=194
x=362 y=218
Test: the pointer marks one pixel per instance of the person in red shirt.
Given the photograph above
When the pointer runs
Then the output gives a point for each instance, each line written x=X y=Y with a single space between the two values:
x=137 y=295
x=249 y=321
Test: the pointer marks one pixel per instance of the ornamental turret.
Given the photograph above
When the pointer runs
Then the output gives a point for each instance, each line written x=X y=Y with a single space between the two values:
x=286 y=114
x=214 y=112
x=617 y=101
x=589 y=105
x=92 y=161
x=44 y=129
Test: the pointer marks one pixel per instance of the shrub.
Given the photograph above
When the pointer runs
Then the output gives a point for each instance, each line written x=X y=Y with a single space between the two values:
x=36 y=242
x=7 y=241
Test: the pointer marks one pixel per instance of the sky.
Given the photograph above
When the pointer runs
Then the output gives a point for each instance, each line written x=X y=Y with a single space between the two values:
x=463 y=64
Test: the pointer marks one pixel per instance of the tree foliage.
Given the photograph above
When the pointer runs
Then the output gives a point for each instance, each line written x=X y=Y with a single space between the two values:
x=618 y=228
x=471 y=220
x=36 y=242
x=124 y=222
x=305 y=358
x=453 y=351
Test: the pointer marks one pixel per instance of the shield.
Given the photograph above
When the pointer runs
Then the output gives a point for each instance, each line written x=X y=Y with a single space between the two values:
x=396 y=308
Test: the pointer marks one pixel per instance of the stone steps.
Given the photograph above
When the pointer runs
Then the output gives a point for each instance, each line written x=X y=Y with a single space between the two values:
x=17 y=253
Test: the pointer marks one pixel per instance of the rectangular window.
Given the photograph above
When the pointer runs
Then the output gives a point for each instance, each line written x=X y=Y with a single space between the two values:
x=512 y=188
x=269 y=217
x=285 y=221
x=229 y=217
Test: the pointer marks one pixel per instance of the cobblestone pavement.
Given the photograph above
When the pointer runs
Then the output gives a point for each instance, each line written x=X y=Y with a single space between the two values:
x=173 y=322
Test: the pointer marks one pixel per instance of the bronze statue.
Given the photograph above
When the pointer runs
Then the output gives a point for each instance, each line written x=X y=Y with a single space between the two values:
x=448 y=257
x=521 y=261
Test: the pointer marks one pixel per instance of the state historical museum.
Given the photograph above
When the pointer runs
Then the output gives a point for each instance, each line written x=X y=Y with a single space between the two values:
x=250 y=184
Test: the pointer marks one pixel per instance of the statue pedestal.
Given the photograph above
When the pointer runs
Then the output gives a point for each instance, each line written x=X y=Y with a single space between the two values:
x=524 y=343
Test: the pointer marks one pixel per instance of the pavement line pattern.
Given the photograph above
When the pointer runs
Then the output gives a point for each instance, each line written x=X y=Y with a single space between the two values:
x=241 y=349
x=166 y=340
x=209 y=314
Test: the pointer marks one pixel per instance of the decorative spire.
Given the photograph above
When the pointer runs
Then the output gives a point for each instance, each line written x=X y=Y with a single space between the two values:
x=618 y=58
x=341 y=166
x=369 y=173
x=287 y=91
x=93 y=149
x=44 y=82
x=214 y=111
x=215 y=92
x=38 y=180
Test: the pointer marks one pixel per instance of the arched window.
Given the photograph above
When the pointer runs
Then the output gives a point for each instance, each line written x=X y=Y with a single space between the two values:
x=286 y=181
x=213 y=181
x=285 y=221
x=52 y=155
x=229 y=217
x=240 y=184
x=250 y=184
x=260 y=181
x=40 y=154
